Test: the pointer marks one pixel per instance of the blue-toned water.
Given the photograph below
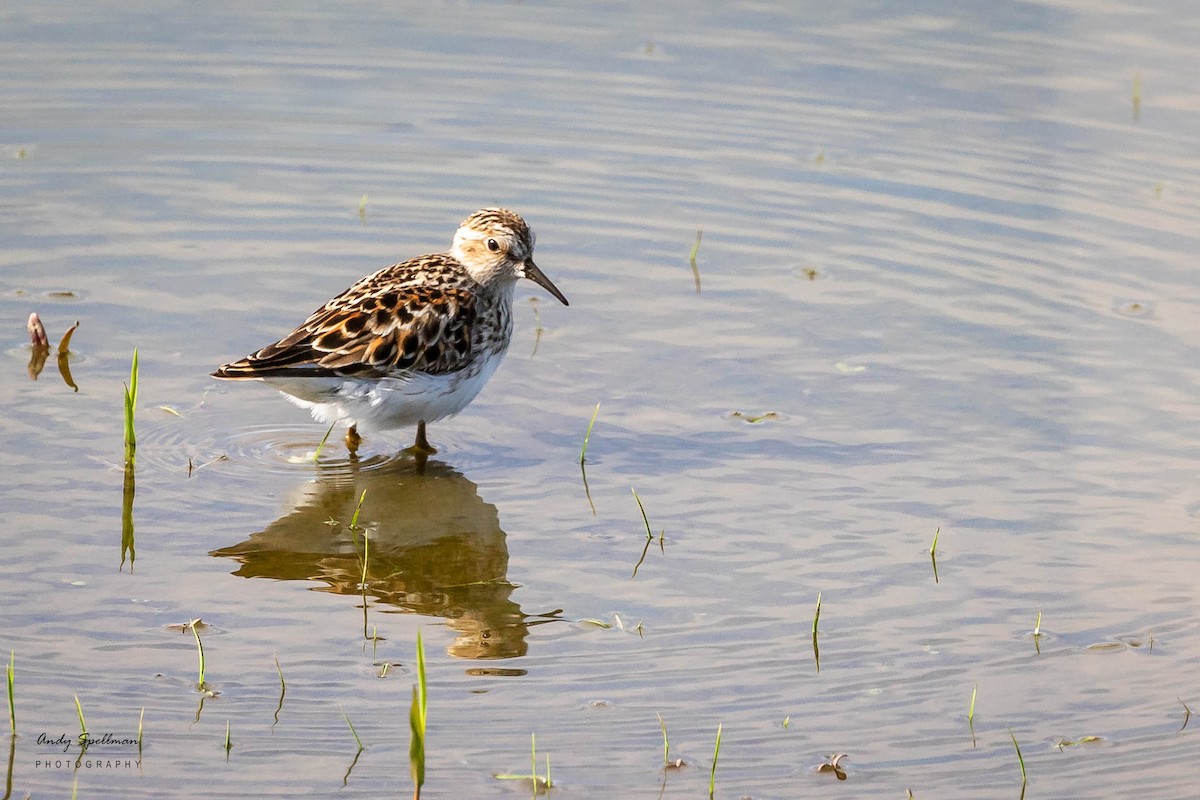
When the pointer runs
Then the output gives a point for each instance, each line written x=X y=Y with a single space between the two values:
x=952 y=249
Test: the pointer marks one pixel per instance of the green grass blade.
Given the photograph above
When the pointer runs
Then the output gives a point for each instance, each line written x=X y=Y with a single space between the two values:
x=83 y=731
x=366 y=559
x=816 y=647
x=133 y=378
x=324 y=439
x=353 y=732
x=199 y=653
x=416 y=746
x=666 y=744
x=712 y=776
x=421 y=680
x=971 y=714
x=131 y=394
x=358 y=510
x=130 y=441
x=588 y=435
x=12 y=675
x=641 y=508
x=416 y=721
x=1020 y=760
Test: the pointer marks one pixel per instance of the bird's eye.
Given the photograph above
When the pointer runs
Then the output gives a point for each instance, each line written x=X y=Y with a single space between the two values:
x=493 y=245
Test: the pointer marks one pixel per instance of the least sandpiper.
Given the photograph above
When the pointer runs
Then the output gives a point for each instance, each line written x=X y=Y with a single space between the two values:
x=412 y=343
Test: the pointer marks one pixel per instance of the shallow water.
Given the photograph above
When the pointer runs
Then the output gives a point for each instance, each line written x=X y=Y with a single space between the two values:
x=952 y=249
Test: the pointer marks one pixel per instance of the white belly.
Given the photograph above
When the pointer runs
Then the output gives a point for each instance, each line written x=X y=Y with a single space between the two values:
x=385 y=403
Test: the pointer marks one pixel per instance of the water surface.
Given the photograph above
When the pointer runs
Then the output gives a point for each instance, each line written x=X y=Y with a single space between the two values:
x=952 y=249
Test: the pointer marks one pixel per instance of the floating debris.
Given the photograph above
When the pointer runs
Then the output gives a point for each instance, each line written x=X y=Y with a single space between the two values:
x=833 y=763
x=40 y=344
x=1137 y=95
x=37 y=331
x=692 y=258
x=64 y=344
x=184 y=627
x=1135 y=308
x=755 y=419
x=1062 y=742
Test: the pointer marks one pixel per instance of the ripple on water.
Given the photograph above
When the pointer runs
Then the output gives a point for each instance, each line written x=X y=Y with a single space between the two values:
x=259 y=450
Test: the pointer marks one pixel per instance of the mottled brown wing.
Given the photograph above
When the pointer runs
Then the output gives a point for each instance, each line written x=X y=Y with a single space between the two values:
x=380 y=325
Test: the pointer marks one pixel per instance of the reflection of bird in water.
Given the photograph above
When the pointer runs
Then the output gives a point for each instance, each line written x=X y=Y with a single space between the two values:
x=436 y=548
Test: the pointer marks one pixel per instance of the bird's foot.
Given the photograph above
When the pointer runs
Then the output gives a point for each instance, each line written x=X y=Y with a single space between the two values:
x=353 y=440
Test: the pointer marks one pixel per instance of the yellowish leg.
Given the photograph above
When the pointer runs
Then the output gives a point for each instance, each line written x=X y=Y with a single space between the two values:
x=422 y=445
x=353 y=440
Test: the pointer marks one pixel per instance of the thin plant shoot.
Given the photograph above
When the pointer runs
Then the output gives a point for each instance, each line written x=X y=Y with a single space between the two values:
x=131 y=393
x=712 y=776
x=416 y=721
x=587 y=436
x=12 y=679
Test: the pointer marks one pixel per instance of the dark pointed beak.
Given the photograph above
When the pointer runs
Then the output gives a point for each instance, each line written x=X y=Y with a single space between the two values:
x=535 y=274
